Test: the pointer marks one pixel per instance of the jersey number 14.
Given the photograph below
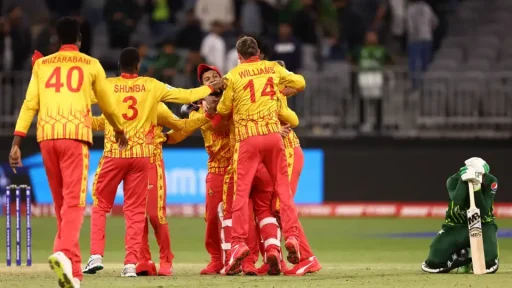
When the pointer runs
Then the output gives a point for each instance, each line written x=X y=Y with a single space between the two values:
x=268 y=89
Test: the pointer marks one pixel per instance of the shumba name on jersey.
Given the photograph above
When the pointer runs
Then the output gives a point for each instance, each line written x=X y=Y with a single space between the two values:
x=121 y=88
x=64 y=59
x=256 y=72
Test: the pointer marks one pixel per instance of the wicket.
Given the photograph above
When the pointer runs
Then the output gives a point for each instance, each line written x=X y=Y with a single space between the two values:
x=28 y=225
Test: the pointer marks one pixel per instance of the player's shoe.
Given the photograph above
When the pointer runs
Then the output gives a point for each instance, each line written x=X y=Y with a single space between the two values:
x=61 y=265
x=263 y=270
x=309 y=265
x=129 y=271
x=212 y=268
x=226 y=264
x=494 y=268
x=94 y=264
x=165 y=268
x=146 y=268
x=249 y=268
x=292 y=246
x=284 y=267
x=238 y=254
x=273 y=261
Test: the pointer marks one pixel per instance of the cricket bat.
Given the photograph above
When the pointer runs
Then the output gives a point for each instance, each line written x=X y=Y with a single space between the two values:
x=475 y=234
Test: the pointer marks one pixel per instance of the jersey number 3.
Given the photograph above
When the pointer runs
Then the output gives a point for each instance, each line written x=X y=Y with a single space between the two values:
x=268 y=89
x=55 y=82
x=132 y=102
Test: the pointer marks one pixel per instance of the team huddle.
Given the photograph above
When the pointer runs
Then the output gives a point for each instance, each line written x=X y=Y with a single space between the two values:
x=255 y=161
x=253 y=168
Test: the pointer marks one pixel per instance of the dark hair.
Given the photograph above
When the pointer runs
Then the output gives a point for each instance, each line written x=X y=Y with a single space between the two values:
x=263 y=45
x=68 y=30
x=247 y=47
x=281 y=63
x=129 y=60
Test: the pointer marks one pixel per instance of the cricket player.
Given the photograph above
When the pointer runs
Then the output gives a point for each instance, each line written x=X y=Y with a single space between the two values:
x=61 y=93
x=216 y=141
x=157 y=195
x=251 y=94
x=138 y=98
x=449 y=249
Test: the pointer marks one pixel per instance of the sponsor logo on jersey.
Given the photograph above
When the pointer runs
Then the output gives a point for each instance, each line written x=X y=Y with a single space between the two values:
x=494 y=186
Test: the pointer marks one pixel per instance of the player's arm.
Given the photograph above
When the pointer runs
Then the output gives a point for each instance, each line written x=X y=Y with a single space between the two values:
x=457 y=189
x=101 y=89
x=196 y=120
x=484 y=197
x=29 y=108
x=167 y=93
x=166 y=118
x=286 y=114
x=290 y=79
x=98 y=123
x=226 y=102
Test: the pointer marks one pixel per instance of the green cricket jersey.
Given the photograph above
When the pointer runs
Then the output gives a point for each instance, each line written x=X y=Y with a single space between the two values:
x=371 y=57
x=459 y=199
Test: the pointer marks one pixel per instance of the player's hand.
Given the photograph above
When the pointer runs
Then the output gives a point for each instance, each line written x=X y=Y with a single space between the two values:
x=285 y=130
x=469 y=174
x=218 y=85
x=187 y=108
x=121 y=140
x=288 y=91
x=478 y=164
x=15 y=158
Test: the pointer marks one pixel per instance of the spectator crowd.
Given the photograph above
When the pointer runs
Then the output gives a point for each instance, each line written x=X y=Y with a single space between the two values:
x=174 y=36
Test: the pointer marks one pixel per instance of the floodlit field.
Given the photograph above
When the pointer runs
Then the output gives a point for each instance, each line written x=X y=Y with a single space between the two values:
x=354 y=253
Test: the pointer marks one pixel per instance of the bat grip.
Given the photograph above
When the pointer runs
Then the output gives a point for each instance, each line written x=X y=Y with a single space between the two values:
x=471 y=195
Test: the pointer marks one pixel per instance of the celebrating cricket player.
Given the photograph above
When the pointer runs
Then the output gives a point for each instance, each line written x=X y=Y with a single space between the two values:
x=157 y=192
x=251 y=94
x=138 y=98
x=449 y=249
x=61 y=92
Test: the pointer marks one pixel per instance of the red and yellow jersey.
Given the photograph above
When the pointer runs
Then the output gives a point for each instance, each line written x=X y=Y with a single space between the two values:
x=288 y=116
x=252 y=92
x=138 y=99
x=181 y=128
x=61 y=91
x=217 y=144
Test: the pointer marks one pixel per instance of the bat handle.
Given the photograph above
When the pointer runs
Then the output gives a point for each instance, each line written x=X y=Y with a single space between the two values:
x=471 y=195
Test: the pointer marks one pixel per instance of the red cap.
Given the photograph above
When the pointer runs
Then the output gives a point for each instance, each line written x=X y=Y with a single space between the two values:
x=37 y=55
x=202 y=68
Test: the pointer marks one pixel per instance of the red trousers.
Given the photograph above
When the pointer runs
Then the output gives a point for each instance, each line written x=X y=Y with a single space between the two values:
x=260 y=204
x=295 y=159
x=212 y=240
x=248 y=155
x=133 y=172
x=156 y=214
x=67 y=163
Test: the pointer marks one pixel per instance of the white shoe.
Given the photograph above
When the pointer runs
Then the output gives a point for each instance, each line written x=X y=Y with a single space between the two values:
x=76 y=282
x=61 y=265
x=94 y=264
x=129 y=271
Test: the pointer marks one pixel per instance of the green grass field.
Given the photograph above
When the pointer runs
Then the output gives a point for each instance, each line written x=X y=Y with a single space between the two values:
x=353 y=253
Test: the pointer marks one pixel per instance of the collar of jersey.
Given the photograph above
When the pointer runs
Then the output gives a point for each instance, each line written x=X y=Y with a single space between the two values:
x=252 y=59
x=129 y=76
x=68 y=47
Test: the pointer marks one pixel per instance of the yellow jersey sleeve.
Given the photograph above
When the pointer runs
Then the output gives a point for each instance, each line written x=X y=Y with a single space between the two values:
x=30 y=105
x=226 y=102
x=290 y=79
x=167 y=93
x=102 y=92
